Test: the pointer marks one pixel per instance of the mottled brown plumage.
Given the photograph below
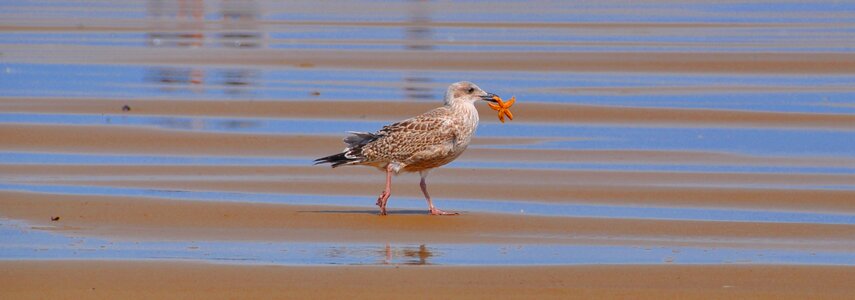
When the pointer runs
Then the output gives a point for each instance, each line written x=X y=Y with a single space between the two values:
x=426 y=141
x=417 y=144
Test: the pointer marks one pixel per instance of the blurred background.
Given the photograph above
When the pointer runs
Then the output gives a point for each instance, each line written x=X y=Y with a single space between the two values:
x=788 y=57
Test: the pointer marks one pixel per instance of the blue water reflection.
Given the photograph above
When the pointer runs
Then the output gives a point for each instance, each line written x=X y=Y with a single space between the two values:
x=753 y=141
x=465 y=205
x=788 y=93
x=22 y=242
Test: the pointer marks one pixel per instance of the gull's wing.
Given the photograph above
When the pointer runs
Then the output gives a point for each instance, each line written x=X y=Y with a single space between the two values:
x=422 y=137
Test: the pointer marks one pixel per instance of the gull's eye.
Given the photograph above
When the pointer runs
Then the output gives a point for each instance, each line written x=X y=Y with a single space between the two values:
x=470 y=90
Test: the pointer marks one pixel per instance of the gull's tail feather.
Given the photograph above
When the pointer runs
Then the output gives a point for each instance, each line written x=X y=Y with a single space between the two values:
x=353 y=153
x=336 y=160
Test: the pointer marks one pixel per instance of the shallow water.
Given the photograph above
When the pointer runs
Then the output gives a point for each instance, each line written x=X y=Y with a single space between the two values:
x=21 y=243
x=700 y=58
x=464 y=205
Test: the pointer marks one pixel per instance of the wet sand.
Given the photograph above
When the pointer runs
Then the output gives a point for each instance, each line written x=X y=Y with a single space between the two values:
x=669 y=189
x=132 y=25
x=532 y=112
x=594 y=187
x=749 y=62
x=142 y=140
x=152 y=218
x=165 y=280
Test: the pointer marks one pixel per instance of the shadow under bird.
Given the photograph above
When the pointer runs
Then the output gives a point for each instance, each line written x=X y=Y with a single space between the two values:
x=418 y=144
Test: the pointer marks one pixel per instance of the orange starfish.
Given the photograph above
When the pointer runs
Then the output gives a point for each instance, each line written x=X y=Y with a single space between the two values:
x=503 y=108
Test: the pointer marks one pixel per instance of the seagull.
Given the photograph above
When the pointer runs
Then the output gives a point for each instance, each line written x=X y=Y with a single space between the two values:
x=418 y=144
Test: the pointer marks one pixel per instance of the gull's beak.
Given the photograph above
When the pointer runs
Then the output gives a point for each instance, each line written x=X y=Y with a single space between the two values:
x=489 y=98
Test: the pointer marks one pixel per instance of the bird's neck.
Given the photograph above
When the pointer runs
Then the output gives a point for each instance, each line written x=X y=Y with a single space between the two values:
x=467 y=114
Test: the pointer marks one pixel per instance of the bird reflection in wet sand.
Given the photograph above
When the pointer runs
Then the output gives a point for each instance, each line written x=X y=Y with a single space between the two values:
x=410 y=255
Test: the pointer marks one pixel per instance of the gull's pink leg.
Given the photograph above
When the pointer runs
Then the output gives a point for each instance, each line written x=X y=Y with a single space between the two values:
x=384 y=196
x=433 y=210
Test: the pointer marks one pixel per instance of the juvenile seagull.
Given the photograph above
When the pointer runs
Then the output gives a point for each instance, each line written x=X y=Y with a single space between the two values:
x=417 y=144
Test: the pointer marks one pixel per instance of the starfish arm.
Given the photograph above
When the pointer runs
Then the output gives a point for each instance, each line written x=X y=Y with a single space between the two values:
x=503 y=108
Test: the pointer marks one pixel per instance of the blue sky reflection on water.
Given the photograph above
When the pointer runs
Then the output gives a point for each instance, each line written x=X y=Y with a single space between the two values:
x=21 y=242
x=812 y=93
x=754 y=141
x=197 y=160
x=464 y=205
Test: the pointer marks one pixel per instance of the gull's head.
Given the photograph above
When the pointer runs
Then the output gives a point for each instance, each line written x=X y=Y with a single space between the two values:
x=466 y=92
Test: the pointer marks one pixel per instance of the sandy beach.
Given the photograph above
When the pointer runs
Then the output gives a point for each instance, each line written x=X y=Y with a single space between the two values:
x=385 y=111
x=162 y=149
x=144 y=280
x=603 y=187
x=150 y=218
x=782 y=63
